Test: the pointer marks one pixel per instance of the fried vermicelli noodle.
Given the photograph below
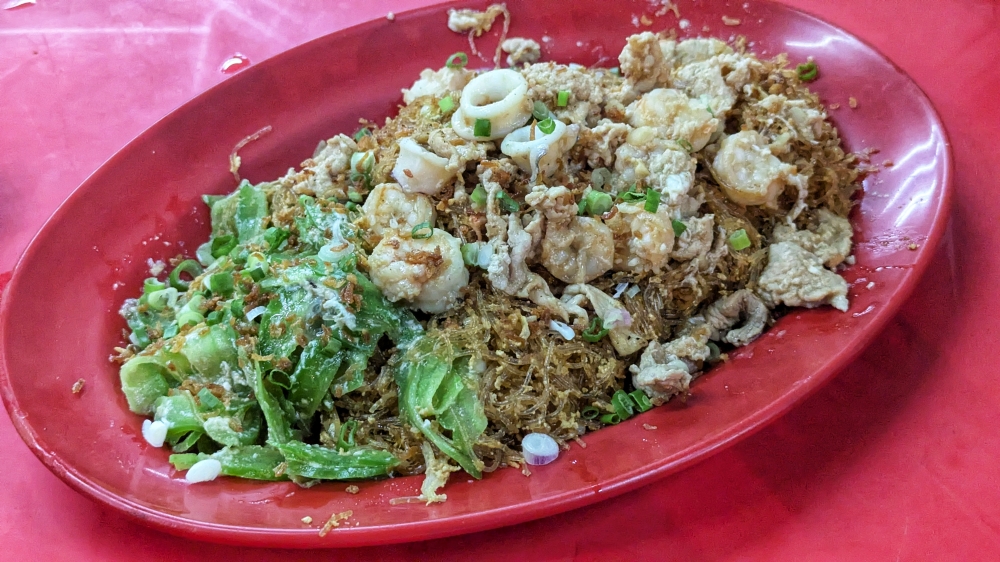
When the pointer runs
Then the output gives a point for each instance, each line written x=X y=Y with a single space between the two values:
x=541 y=249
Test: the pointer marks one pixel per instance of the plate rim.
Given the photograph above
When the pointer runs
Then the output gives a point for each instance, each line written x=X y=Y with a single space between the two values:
x=480 y=520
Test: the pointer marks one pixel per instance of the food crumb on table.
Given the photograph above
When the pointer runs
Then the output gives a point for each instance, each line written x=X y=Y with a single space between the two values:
x=913 y=246
x=334 y=521
x=730 y=21
x=644 y=20
x=78 y=386
x=352 y=489
x=580 y=442
x=307 y=520
x=390 y=16
x=834 y=106
x=853 y=102
x=649 y=427
x=888 y=163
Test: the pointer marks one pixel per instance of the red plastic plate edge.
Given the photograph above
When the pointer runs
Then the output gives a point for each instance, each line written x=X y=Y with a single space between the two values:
x=510 y=515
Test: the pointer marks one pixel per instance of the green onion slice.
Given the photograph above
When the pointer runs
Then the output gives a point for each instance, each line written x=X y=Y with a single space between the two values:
x=547 y=126
x=222 y=245
x=457 y=60
x=652 y=200
x=345 y=435
x=539 y=111
x=190 y=267
x=597 y=202
x=362 y=132
x=221 y=283
x=622 y=403
x=631 y=195
x=562 y=98
x=679 y=227
x=422 y=231
x=152 y=285
x=686 y=145
x=470 y=253
x=482 y=128
x=446 y=104
x=478 y=196
x=188 y=316
x=807 y=71
x=590 y=413
x=507 y=203
x=642 y=402
x=611 y=419
x=595 y=331
x=739 y=240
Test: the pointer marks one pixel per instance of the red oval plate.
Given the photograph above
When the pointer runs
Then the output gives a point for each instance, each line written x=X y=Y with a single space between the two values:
x=58 y=321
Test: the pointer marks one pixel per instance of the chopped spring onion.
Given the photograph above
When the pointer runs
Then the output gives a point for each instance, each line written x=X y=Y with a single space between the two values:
x=188 y=316
x=236 y=308
x=590 y=413
x=547 y=126
x=482 y=128
x=363 y=162
x=581 y=207
x=470 y=253
x=457 y=60
x=600 y=178
x=641 y=400
x=686 y=145
x=208 y=400
x=597 y=202
x=152 y=285
x=739 y=240
x=351 y=206
x=631 y=195
x=708 y=108
x=213 y=318
x=539 y=111
x=807 y=71
x=563 y=329
x=158 y=300
x=274 y=236
x=652 y=200
x=562 y=98
x=507 y=203
x=679 y=227
x=611 y=419
x=220 y=283
x=478 y=196
x=622 y=403
x=170 y=331
x=190 y=267
x=422 y=231
x=362 y=132
x=222 y=245
x=345 y=434
x=446 y=104
x=595 y=331
x=539 y=449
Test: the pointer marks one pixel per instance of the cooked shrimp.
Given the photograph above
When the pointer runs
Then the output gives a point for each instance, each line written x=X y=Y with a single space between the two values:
x=428 y=272
x=644 y=240
x=389 y=209
x=578 y=252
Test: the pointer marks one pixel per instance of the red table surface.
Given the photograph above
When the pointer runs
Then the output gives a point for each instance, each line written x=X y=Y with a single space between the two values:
x=896 y=459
